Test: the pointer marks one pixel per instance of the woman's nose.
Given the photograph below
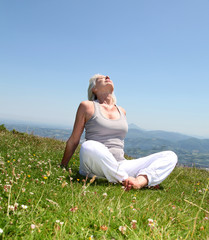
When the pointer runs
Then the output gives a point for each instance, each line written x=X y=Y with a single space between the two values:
x=107 y=77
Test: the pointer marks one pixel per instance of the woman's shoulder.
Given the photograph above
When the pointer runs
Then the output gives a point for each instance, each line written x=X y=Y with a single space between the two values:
x=86 y=104
x=86 y=107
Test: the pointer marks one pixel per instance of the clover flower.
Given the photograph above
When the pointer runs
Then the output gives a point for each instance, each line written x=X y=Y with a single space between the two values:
x=59 y=222
x=33 y=226
x=11 y=207
x=16 y=206
x=104 y=194
x=64 y=184
x=103 y=228
x=151 y=223
x=122 y=229
x=73 y=209
x=133 y=224
x=1 y=231
x=7 y=187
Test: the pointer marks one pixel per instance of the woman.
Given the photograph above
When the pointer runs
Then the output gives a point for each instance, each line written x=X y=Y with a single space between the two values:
x=102 y=153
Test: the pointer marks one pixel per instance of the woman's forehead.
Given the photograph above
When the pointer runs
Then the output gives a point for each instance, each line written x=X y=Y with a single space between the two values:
x=101 y=76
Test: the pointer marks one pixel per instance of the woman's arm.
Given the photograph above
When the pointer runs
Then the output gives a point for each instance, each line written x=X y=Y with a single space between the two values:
x=74 y=139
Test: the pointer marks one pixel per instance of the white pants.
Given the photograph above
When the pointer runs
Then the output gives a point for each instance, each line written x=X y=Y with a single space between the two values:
x=96 y=159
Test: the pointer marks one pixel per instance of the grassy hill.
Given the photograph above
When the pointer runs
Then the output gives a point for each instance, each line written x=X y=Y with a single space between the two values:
x=39 y=200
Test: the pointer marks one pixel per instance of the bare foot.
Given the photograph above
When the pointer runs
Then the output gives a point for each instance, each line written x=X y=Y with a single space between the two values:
x=136 y=183
x=128 y=183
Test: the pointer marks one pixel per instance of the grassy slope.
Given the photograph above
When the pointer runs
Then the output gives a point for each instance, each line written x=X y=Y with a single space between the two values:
x=30 y=177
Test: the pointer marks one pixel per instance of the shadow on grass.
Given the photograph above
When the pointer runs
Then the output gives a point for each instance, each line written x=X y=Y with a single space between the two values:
x=77 y=177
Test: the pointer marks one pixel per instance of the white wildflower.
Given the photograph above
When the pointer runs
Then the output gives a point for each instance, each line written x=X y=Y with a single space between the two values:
x=122 y=229
x=104 y=194
x=33 y=226
x=151 y=223
x=11 y=207
x=24 y=206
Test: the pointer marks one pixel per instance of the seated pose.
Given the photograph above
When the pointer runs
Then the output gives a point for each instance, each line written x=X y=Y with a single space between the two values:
x=102 y=154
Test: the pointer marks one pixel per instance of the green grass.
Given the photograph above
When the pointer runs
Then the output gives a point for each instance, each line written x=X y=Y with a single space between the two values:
x=67 y=206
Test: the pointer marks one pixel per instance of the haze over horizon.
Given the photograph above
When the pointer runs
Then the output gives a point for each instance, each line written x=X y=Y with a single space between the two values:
x=156 y=53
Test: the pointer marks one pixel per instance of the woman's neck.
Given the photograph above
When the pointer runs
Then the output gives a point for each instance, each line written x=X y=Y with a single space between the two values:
x=105 y=98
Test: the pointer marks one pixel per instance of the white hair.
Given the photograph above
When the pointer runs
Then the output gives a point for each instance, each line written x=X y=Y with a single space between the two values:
x=92 y=83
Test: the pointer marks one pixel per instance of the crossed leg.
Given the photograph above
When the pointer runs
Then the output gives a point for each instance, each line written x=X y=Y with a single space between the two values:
x=150 y=170
x=95 y=159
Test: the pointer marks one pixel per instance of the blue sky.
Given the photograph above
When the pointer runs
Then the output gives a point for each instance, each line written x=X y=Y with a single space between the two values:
x=156 y=53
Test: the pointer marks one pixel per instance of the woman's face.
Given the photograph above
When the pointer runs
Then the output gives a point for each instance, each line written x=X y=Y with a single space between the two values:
x=104 y=82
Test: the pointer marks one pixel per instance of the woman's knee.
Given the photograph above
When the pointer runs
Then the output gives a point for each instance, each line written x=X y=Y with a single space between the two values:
x=173 y=157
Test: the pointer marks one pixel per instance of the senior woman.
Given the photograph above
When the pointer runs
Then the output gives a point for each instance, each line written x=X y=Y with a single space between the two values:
x=102 y=154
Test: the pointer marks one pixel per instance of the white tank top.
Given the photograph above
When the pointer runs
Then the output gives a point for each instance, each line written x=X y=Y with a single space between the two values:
x=110 y=132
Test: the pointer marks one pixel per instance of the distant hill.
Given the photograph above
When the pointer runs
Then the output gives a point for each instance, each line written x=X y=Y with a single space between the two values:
x=191 y=151
x=147 y=140
x=139 y=142
x=170 y=136
x=58 y=133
